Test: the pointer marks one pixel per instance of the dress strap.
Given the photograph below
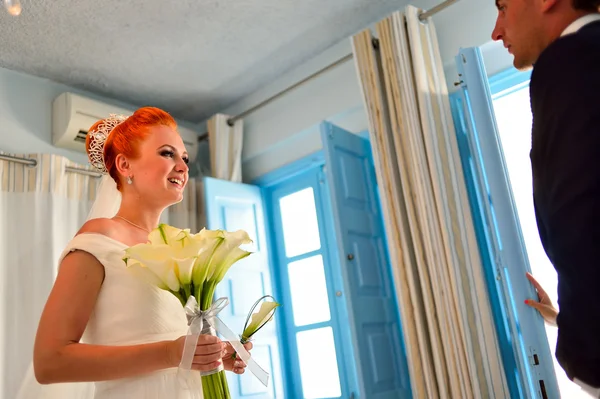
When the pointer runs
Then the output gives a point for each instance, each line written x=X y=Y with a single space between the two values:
x=98 y=245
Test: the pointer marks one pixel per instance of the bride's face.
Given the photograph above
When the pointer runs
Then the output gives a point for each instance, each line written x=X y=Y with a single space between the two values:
x=160 y=174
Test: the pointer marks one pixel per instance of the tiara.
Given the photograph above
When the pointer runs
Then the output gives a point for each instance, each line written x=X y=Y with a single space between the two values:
x=99 y=136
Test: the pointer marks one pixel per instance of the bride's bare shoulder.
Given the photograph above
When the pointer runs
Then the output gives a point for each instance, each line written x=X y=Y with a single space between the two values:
x=100 y=226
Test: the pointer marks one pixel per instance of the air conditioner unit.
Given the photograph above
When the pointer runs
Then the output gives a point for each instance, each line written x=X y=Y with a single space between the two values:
x=73 y=115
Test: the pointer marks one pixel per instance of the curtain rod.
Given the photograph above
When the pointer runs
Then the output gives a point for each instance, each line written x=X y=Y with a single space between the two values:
x=423 y=16
x=269 y=100
x=443 y=5
x=33 y=163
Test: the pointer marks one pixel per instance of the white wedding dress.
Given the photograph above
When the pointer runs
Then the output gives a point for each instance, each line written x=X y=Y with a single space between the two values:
x=128 y=311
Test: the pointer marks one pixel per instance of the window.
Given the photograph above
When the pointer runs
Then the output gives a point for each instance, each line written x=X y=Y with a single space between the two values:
x=299 y=222
x=338 y=322
x=304 y=274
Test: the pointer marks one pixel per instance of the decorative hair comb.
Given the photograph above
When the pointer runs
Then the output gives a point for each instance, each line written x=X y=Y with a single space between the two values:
x=99 y=136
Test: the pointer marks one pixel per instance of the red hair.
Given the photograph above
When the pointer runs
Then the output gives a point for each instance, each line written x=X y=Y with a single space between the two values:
x=125 y=137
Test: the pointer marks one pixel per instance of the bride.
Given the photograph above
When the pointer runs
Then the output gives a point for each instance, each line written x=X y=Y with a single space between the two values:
x=101 y=324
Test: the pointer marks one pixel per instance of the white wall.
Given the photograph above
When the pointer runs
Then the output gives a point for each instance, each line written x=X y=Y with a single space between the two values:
x=287 y=129
x=26 y=114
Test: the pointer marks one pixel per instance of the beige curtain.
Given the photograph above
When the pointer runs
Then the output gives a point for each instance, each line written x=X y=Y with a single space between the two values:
x=41 y=208
x=450 y=338
x=225 y=144
x=189 y=213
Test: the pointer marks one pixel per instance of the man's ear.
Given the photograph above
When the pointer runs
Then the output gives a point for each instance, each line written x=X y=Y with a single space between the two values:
x=547 y=5
x=123 y=166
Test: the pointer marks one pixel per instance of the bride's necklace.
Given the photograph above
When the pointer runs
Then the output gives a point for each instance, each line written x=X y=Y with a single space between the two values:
x=133 y=224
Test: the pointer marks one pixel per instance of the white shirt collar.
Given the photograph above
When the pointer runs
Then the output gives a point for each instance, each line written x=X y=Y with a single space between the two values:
x=580 y=23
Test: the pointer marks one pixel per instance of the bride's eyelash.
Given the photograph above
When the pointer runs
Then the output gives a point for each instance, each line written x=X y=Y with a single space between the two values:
x=171 y=154
x=167 y=153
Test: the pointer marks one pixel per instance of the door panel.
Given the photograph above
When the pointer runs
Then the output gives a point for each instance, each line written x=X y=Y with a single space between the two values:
x=372 y=308
x=232 y=206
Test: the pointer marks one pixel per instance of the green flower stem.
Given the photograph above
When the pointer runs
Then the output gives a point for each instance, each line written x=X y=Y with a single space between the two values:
x=214 y=386
x=243 y=341
x=186 y=291
x=207 y=294
x=198 y=294
x=225 y=385
x=219 y=381
x=178 y=296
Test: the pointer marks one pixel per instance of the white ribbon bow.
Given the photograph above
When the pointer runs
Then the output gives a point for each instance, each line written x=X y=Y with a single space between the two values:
x=197 y=318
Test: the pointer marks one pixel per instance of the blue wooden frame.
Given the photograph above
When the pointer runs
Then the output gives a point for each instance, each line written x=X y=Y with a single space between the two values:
x=485 y=247
x=306 y=172
x=508 y=81
x=286 y=372
x=219 y=196
x=289 y=170
x=521 y=383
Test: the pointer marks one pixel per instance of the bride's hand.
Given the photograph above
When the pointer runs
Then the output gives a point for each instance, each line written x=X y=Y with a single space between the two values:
x=209 y=352
x=235 y=365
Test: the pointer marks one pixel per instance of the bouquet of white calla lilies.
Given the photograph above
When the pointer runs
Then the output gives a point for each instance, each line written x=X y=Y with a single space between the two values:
x=190 y=266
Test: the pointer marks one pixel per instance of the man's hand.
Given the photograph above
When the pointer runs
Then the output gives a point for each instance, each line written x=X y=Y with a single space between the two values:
x=543 y=304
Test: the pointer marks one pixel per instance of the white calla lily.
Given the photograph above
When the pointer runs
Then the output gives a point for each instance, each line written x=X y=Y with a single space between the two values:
x=147 y=275
x=228 y=253
x=159 y=259
x=185 y=266
x=260 y=318
x=187 y=246
x=209 y=241
x=164 y=234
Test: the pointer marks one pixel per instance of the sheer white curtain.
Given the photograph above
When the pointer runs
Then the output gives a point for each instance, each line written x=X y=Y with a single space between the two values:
x=451 y=343
x=225 y=144
x=41 y=209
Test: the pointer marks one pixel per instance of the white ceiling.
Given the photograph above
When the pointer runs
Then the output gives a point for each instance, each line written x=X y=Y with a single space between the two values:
x=190 y=57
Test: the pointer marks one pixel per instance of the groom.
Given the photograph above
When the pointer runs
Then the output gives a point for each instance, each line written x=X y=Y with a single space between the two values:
x=561 y=40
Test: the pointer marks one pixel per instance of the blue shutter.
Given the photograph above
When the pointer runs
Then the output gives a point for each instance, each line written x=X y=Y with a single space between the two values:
x=522 y=331
x=373 y=318
x=482 y=233
x=233 y=206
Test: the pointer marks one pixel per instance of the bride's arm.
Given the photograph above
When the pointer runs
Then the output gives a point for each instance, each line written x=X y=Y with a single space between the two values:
x=58 y=355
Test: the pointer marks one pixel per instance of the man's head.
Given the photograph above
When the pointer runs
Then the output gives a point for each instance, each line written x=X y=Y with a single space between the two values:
x=527 y=27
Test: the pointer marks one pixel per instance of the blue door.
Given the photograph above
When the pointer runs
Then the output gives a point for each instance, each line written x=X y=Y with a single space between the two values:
x=371 y=308
x=232 y=206
x=526 y=353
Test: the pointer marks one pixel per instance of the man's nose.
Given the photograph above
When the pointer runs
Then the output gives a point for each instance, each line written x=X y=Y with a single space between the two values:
x=497 y=32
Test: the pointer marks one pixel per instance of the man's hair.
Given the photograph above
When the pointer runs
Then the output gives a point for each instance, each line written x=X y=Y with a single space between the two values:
x=587 y=5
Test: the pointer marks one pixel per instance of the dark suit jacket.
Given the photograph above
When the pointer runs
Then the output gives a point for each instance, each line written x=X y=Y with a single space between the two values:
x=565 y=158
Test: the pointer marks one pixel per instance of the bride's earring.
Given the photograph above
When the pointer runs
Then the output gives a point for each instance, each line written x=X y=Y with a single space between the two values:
x=129 y=180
